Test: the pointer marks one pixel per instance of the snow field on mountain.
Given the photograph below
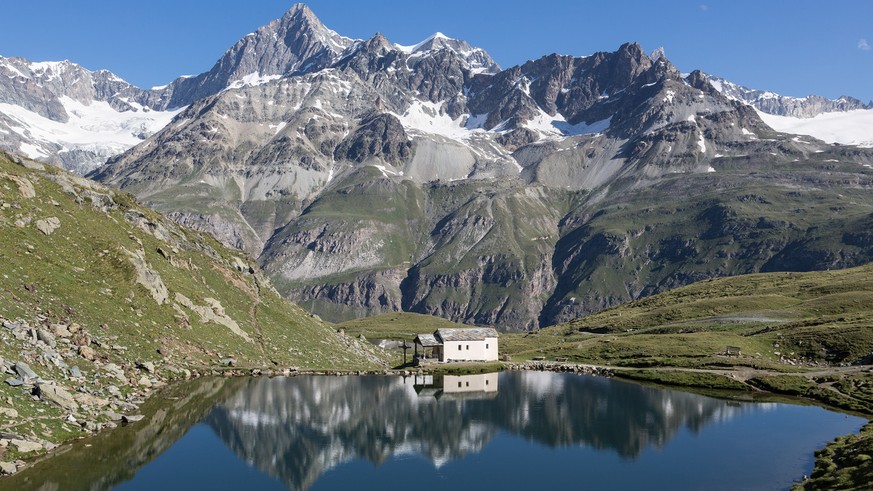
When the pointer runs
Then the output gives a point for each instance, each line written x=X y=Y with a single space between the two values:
x=846 y=128
x=92 y=126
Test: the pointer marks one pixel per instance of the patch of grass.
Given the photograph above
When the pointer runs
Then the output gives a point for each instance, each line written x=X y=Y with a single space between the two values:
x=684 y=379
x=689 y=350
x=856 y=386
x=780 y=321
x=846 y=463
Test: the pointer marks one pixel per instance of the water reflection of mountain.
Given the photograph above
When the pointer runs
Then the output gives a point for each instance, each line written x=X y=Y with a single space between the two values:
x=297 y=428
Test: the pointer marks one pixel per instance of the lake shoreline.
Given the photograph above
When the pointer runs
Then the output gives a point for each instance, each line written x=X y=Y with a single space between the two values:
x=824 y=473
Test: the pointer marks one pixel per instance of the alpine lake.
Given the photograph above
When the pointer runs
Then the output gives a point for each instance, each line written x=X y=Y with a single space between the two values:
x=508 y=430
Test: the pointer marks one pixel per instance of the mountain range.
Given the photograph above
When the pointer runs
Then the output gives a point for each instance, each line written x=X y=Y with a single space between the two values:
x=369 y=176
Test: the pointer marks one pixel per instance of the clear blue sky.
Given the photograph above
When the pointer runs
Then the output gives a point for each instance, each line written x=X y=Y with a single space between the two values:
x=795 y=47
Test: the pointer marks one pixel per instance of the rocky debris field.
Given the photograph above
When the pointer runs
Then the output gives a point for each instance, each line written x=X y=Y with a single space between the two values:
x=61 y=385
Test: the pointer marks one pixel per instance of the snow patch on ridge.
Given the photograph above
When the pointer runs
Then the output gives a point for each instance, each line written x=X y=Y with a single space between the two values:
x=414 y=48
x=425 y=117
x=251 y=80
x=385 y=171
x=557 y=126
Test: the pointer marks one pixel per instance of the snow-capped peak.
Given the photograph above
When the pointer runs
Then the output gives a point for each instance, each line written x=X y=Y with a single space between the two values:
x=478 y=60
x=40 y=70
x=424 y=45
x=301 y=18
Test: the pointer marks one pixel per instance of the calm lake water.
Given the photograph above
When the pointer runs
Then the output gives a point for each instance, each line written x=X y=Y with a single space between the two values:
x=515 y=430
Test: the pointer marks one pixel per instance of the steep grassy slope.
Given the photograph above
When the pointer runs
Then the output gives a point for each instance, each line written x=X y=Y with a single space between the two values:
x=104 y=299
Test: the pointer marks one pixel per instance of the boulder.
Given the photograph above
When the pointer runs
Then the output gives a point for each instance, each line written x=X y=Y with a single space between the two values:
x=14 y=382
x=61 y=331
x=56 y=395
x=81 y=339
x=25 y=446
x=56 y=359
x=90 y=400
x=115 y=371
x=87 y=353
x=48 y=225
x=25 y=372
x=113 y=416
x=7 y=467
x=92 y=426
x=25 y=187
x=133 y=418
x=148 y=277
x=46 y=337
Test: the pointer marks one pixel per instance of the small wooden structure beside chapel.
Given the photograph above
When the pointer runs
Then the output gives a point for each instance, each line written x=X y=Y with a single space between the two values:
x=471 y=344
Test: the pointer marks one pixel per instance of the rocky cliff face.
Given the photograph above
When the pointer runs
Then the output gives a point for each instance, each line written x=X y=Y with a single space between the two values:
x=370 y=177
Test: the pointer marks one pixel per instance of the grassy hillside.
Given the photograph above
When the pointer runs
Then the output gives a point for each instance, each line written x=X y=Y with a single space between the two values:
x=396 y=325
x=845 y=463
x=778 y=320
x=106 y=299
